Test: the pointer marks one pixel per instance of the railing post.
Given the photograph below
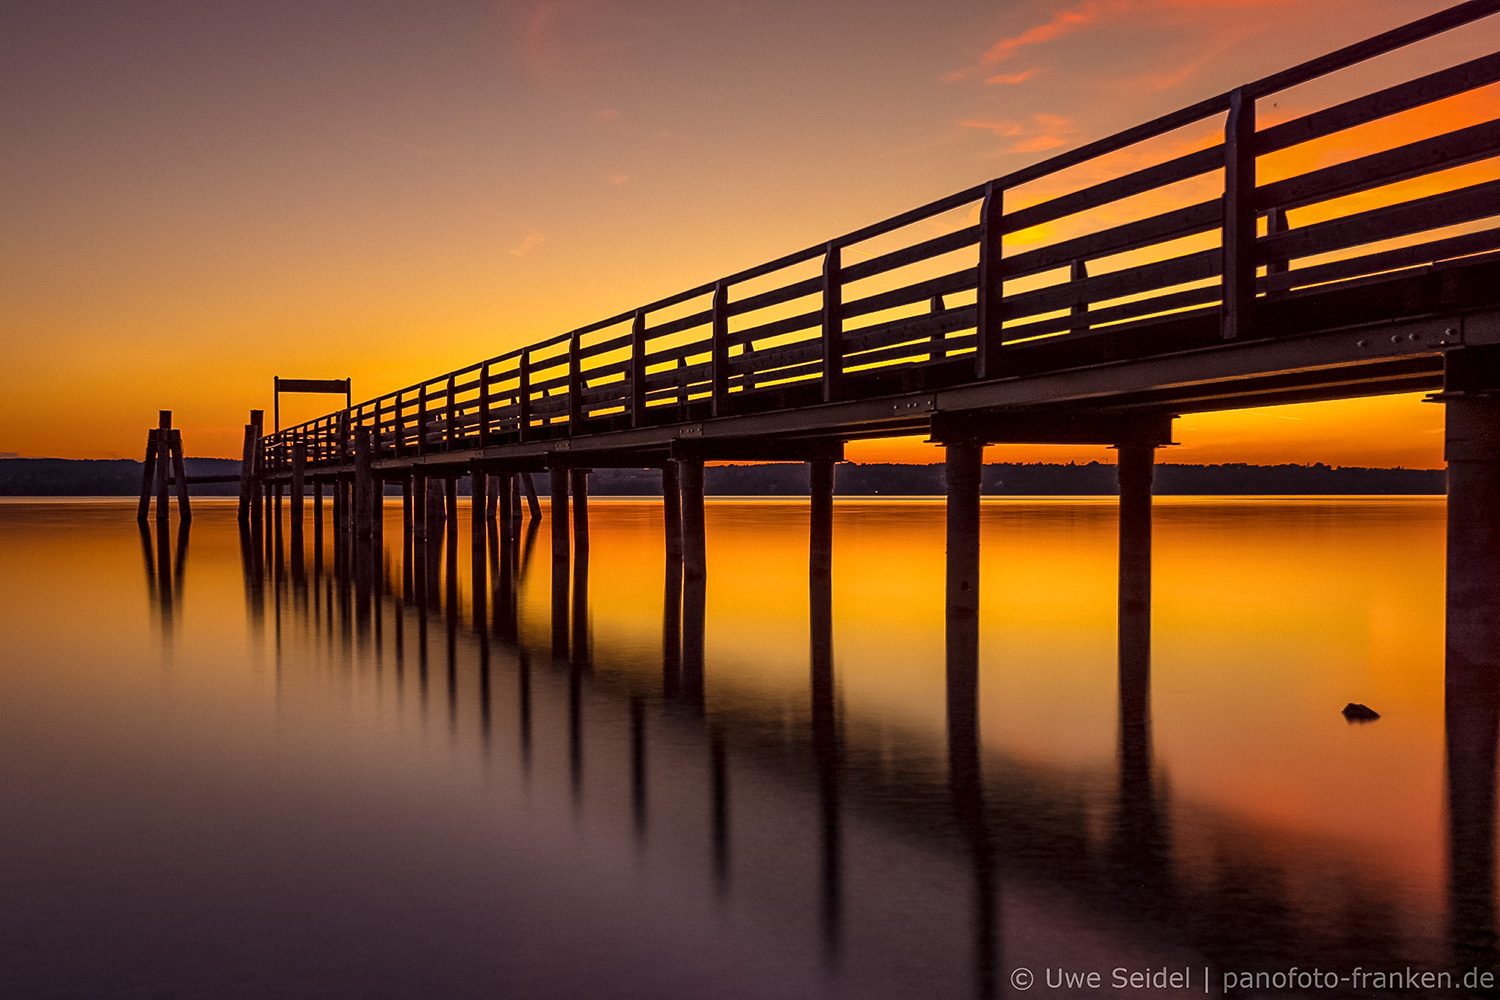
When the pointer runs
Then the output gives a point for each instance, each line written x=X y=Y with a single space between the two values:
x=523 y=396
x=989 y=317
x=1080 y=311
x=450 y=434
x=638 y=369
x=833 y=325
x=1239 y=216
x=398 y=430
x=1276 y=222
x=720 y=343
x=484 y=404
x=575 y=382
x=343 y=437
x=375 y=432
x=422 y=420
x=937 y=347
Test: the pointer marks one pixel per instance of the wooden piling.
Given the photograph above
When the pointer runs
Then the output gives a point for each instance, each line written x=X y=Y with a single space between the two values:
x=965 y=462
x=148 y=476
x=247 y=473
x=318 y=517
x=179 y=472
x=671 y=505
x=820 y=531
x=364 y=498
x=694 y=541
x=419 y=506
x=491 y=498
x=450 y=497
x=579 y=479
x=163 y=452
x=532 y=502
x=480 y=508
x=299 y=484
x=559 y=478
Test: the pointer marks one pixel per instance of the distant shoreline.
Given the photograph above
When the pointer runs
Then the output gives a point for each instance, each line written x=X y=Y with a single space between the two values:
x=61 y=477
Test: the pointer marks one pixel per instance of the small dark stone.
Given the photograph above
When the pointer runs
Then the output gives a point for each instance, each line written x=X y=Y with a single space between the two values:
x=1355 y=712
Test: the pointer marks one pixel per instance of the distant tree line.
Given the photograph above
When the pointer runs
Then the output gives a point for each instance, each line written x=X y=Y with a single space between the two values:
x=122 y=477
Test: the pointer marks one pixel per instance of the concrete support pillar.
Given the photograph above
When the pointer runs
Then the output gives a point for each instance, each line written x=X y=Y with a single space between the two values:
x=820 y=532
x=1471 y=393
x=1136 y=465
x=317 y=523
x=671 y=505
x=407 y=528
x=1473 y=607
x=364 y=500
x=965 y=460
x=299 y=485
x=694 y=540
x=560 y=561
x=579 y=479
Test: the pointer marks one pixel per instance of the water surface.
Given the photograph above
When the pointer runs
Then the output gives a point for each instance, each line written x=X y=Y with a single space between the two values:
x=230 y=769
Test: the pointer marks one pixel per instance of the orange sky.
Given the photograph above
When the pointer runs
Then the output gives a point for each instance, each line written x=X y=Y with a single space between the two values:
x=194 y=198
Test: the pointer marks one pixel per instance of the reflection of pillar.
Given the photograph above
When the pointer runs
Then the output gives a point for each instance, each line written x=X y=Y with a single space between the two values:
x=964 y=465
x=523 y=702
x=559 y=477
x=1472 y=727
x=638 y=764
x=694 y=545
x=820 y=533
x=671 y=630
x=718 y=782
x=693 y=610
x=671 y=506
x=479 y=494
x=1472 y=695
x=579 y=479
x=828 y=756
x=581 y=608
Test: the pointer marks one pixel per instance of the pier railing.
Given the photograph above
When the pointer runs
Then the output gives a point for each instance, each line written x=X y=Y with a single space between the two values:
x=1015 y=275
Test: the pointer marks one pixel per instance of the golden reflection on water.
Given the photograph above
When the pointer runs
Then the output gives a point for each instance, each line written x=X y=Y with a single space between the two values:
x=1269 y=615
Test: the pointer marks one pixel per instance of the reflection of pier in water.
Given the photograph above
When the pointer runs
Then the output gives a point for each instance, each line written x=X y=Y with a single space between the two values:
x=1014 y=826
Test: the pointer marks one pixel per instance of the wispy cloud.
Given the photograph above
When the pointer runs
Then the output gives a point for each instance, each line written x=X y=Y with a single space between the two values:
x=531 y=241
x=1036 y=134
x=1077 y=17
x=1012 y=77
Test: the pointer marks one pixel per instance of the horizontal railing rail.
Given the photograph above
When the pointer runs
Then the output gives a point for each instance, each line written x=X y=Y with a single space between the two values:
x=962 y=288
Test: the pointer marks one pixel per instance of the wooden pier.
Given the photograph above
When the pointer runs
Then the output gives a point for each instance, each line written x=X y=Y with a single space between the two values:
x=1020 y=310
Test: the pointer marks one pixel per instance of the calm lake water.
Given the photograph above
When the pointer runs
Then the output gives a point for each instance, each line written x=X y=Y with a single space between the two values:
x=227 y=775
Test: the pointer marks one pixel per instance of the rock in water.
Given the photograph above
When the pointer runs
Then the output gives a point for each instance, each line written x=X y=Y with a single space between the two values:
x=1355 y=712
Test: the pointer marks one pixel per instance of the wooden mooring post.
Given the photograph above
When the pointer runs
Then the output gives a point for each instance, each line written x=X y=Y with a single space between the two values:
x=163 y=467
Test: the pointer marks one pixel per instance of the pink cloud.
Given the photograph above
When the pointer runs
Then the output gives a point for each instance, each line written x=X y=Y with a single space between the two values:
x=1013 y=77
